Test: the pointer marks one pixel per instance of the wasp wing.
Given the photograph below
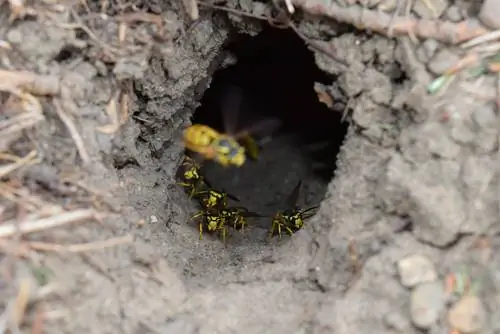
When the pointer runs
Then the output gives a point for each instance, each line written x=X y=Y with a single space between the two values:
x=293 y=199
x=230 y=109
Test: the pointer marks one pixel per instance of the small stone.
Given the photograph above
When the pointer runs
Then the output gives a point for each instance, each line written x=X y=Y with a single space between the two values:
x=429 y=47
x=387 y=5
x=485 y=117
x=453 y=14
x=183 y=324
x=434 y=11
x=259 y=8
x=467 y=315
x=439 y=142
x=426 y=303
x=442 y=61
x=462 y=134
x=416 y=269
x=14 y=36
x=485 y=142
x=144 y=254
x=154 y=219
x=489 y=14
x=397 y=321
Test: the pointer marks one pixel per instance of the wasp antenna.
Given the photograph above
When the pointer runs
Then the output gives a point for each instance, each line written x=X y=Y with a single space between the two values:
x=234 y=198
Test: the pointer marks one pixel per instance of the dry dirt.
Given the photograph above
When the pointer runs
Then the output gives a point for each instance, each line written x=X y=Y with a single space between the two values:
x=416 y=175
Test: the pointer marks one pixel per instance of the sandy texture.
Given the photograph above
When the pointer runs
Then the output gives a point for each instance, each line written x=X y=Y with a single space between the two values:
x=416 y=175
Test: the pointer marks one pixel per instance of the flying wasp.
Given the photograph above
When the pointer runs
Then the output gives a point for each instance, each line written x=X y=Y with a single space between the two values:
x=292 y=219
x=229 y=148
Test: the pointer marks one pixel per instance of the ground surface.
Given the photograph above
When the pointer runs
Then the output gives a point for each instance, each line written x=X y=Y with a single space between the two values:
x=406 y=235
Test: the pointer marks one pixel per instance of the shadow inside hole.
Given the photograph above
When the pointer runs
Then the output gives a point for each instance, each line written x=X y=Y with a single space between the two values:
x=275 y=73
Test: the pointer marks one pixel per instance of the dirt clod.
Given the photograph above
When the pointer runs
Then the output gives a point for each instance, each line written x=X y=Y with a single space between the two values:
x=490 y=13
x=416 y=269
x=95 y=96
x=467 y=315
x=426 y=303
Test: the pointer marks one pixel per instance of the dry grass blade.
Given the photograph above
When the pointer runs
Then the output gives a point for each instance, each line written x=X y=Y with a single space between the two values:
x=19 y=123
x=491 y=36
x=12 y=81
x=78 y=248
x=21 y=302
x=23 y=197
x=27 y=160
x=9 y=228
x=66 y=119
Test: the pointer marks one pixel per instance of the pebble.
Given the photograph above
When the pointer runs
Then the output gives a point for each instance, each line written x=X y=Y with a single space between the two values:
x=442 y=61
x=467 y=315
x=453 y=14
x=438 y=7
x=485 y=117
x=416 y=269
x=426 y=303
x=462 y=134
x=429 y=48
x=397 y=322
x=489 y=14
x=387 y=5
x=182 y=324
x=485 y=142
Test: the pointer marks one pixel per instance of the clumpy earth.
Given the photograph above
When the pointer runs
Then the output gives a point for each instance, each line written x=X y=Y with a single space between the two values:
x=405 y=235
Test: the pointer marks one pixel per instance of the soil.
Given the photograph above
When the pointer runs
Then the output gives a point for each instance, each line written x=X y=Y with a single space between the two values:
x=404 y=173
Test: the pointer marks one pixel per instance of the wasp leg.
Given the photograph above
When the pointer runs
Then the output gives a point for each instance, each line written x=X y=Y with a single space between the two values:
x=223 y=234
x=201 y=230
x=197 y=215
x=273 y=227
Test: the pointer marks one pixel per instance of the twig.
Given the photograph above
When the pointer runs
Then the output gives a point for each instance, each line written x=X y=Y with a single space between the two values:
x=73 y=131
x=29 y=82
x=78 y=248
x=5 y=170
x=21 y=302
x=18 y=123
x=37 y=326
x=380 y=22
x=9 y=228
x=493 y=35
x=277 y=23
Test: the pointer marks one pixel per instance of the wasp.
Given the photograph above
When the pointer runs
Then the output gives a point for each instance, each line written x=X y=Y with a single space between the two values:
x=191 y=177
x=238 y=216
x=218 y=220
x=292 y=219
x=229 y=148
x=213 y=221
x=212 y=198
x=218 y=217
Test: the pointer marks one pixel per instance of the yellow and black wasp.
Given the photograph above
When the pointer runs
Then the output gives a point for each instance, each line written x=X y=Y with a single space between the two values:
x=229 y=148
x=191 y=178
x=292 y=219
x=217 y=218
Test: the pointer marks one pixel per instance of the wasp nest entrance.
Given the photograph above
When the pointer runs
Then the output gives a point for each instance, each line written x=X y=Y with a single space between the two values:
x=272 y=83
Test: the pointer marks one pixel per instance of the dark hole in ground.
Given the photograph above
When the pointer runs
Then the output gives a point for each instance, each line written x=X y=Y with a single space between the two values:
x=275 y=73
